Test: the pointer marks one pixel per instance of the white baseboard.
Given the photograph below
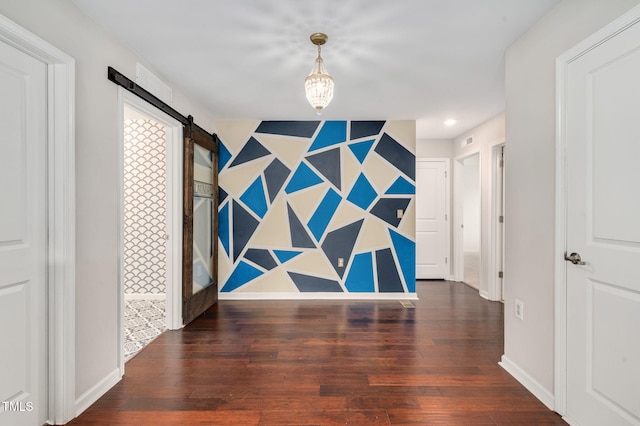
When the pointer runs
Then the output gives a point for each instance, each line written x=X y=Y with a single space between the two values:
x=137 y=296
x=484 y=294
x=92 y=395
x=528 y=382
x=317 y=296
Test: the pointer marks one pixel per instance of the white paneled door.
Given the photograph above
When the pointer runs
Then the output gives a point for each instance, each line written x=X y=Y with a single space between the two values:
x=432 y=226
x=23 y=225
x=603 y=232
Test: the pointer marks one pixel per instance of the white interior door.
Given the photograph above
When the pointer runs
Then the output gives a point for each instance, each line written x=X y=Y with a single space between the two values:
x=23 y=224
x=432 y=225
x=603 y=227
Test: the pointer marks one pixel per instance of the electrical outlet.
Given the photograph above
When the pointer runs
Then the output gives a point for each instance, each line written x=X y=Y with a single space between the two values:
x=519 y=309
x=341 y=262
x=400 y=213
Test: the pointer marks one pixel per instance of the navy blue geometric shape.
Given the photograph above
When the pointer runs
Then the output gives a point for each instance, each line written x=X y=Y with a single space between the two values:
x=244 y=225
x=303 y=129
x=333 y=132
x=323 y=214
x=302 y=178
x=223 y=156
x=397 y=155
x=251 y=150
x=388 y=278
x=222 y=195
x=361 y=129
x=275 y=175
x=362 y=194
x=261 y=257
x=299 y=236
x=360 y=277
x=328 y=164
x=361 y=149
x=223 y=227
x=401 y=187
x=339 y=244
x=406 y=254
x=254 y=198
x=307 y=283
x=240 y=276
x=387 y=209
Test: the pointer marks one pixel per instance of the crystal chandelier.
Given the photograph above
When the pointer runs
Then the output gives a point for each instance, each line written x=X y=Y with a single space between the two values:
x=318 y=85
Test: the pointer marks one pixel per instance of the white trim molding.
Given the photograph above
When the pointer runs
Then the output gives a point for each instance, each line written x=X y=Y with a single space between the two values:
x=88 y=398
x=528 y=382
x=562 y=63
x=316 y=296
x=61 y=214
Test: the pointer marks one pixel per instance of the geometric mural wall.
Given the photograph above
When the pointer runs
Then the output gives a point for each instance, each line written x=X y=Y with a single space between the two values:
x=317 y=207
x=145 y=260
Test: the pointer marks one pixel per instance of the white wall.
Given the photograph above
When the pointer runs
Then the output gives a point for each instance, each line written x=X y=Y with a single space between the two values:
x=471 y=197
x=530 y=180
x=434 y=148
x=60 y=23
x=485 y=137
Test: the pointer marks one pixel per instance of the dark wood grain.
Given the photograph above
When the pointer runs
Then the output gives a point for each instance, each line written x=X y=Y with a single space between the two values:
x=328 y=363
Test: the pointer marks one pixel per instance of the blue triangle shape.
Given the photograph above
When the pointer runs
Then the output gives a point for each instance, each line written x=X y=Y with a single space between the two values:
x=254 y=198
x=223 y=156
x=401 y=187
x=406 y=253
x=286 y=255
x=240 y=276
x=361 y=149
x=303 y=178
x=223 y=227
x=332 y=133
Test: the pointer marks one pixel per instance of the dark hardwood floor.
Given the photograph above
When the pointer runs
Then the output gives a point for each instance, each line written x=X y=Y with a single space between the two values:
x=328 y=363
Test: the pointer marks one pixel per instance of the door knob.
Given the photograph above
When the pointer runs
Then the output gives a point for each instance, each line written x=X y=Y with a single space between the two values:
x=574 y=258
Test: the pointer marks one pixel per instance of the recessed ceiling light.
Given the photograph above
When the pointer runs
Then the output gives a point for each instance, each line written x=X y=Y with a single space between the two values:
x=450 y=122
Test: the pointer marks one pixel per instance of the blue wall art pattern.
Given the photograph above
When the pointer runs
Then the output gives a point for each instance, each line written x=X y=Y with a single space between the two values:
x=317 y=207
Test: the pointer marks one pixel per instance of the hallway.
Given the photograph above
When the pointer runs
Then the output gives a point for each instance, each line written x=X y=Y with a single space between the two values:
x=328 y=362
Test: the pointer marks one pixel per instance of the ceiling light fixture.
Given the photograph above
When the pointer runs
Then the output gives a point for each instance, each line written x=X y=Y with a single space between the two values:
x=318 y=85
x=450 y=122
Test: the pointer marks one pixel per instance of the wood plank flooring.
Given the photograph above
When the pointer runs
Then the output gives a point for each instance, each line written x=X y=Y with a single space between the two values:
x=328 y=363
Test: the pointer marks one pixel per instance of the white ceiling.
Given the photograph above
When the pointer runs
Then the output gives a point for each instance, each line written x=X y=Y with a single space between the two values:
x=424 y=60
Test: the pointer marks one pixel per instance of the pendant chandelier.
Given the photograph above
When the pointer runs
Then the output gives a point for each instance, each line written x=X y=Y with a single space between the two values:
x=318 y=85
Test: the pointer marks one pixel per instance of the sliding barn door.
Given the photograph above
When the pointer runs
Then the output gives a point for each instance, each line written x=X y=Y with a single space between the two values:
x=200 y=248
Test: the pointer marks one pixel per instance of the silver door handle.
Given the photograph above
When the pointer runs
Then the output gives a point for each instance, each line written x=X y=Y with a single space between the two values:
x=574 y=258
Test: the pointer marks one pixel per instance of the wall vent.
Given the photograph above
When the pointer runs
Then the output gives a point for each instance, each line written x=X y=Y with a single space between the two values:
x=153 y=84
x=467 y=141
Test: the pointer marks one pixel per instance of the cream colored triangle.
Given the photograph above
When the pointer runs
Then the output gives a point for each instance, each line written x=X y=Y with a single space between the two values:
x=407 y=225
x=289 y=150
x=380 y=173
x=346 y=214
x=306 y=201
x=235 y=133
x=350 y=170
x=225 y=267
x=236 y=180
x=274 y=281
x=273 y=232
x=403 y=132
x=313 y=263
x=374 y=235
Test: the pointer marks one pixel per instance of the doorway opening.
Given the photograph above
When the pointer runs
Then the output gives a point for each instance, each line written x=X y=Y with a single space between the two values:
x=468 y=239
x=150 y=236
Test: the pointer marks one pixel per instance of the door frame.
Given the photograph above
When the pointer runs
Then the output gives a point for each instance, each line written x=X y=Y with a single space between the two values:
x=560 y=328
x=458 y=214
x=173 y=144
x=494 y=287
x=61 y=210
